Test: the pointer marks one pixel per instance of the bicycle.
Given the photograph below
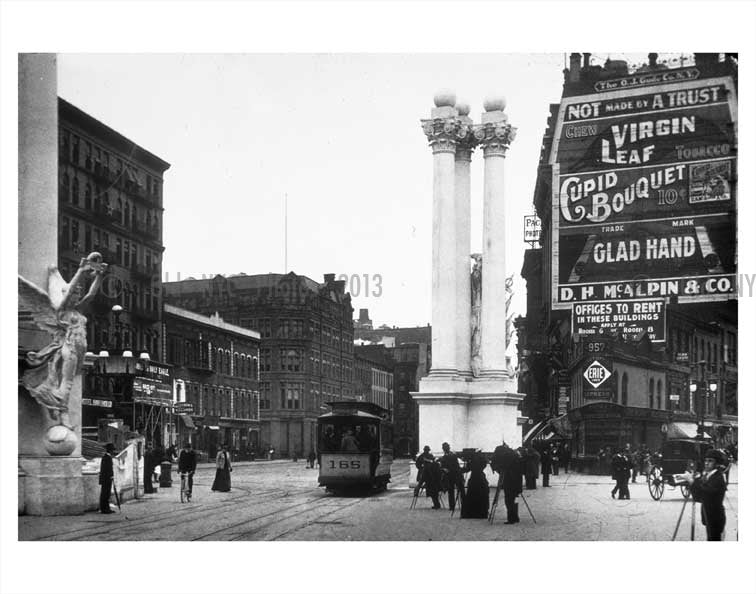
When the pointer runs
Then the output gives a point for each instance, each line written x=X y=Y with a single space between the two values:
x=186 y=494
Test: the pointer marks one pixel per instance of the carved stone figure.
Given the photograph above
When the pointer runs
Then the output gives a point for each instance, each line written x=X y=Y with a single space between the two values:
x=52 y=370
x=476 y=291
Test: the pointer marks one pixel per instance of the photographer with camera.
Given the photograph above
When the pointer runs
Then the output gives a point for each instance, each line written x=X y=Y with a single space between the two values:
x=708 y=488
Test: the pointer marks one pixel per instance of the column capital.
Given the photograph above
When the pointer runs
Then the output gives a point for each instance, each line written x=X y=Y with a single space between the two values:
x=444 y=133
x=495 y=137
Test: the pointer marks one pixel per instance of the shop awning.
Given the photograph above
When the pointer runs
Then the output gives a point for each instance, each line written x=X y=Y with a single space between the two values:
x=188 y=421
x=683 y=431
x=212 y=427
x=534 y=430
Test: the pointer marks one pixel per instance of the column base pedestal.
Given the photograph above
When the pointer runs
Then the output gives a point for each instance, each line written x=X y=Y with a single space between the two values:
x=468 y=413
x=52 y=486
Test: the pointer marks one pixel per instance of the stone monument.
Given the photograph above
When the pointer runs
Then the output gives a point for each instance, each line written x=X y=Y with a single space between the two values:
x=469 y=398
x=52 y=328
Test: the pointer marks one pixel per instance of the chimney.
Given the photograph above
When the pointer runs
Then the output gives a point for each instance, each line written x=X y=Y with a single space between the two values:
x=329 y=278
x=574 y=67
x=652 y=57
x=586 y=60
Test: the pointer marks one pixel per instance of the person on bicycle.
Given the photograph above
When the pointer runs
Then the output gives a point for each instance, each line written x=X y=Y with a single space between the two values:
x=187 y=464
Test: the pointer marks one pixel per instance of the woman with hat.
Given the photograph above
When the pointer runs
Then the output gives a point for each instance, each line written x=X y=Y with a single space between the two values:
x=709 y=488
x=223 y=469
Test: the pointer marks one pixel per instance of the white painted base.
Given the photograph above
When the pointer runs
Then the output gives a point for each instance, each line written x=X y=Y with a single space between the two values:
x=468 y=413
x=53 y=486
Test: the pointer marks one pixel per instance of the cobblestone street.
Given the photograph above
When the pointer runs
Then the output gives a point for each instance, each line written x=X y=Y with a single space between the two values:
x=280 y=500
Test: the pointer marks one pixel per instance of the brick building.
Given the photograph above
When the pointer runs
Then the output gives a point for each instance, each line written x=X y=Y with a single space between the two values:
x=306 y=351
x=111 y=200
x=215 y=372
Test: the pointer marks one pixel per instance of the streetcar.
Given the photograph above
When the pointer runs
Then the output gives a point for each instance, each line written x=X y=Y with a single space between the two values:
x=677 y=457
x=355 y=446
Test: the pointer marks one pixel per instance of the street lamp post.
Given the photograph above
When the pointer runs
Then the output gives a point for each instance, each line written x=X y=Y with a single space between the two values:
x=709 y=388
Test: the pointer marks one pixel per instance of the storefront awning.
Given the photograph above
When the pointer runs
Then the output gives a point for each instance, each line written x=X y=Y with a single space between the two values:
x=188 y=421
x=213 y=427
x=683 y=431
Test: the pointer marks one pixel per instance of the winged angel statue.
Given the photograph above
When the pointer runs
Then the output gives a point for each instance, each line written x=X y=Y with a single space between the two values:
x=51 y=371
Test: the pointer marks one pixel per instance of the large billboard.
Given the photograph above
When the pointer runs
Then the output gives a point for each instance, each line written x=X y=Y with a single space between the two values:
x=644 y=200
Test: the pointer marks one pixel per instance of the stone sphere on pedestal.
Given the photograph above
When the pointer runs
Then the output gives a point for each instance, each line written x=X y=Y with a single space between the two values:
x=445 y=98
x=494 y=103
x=59 y=440
x=463 y=108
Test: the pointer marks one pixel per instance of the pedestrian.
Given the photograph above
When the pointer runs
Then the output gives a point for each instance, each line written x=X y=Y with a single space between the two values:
x=709 y=489
x=555 y=460
x=532 y=458
x=420 y=463
x=475 y=502
x=635 y=458
x=432 y=481
x=546 y=465
x=223 y=470
x=507 y=463
x=453 y=472
x=566 y=457
x=149 y=467
x=311 y=457
x=106 y=479
x=187 y=463
x=621 y=466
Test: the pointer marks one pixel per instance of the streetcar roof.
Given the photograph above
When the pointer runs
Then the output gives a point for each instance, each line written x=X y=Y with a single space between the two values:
x=346 y=415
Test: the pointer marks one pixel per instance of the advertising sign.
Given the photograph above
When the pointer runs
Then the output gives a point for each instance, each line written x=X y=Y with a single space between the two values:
x=597 y=379
x=629 y=319
x=532 y=232
x=153 y=384
x=644 y=200
x=183 y=408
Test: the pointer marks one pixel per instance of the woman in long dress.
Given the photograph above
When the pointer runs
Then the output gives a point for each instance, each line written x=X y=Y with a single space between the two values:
x=222 y=480
x=475 y=503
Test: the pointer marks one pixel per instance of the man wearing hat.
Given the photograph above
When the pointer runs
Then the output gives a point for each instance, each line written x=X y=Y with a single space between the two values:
x=106 y=479
x=455 y=479
x=709 y=488
x=422 y=459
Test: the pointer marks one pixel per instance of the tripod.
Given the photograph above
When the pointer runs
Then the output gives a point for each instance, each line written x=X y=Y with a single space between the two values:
x=692 y=520
x=495 y=503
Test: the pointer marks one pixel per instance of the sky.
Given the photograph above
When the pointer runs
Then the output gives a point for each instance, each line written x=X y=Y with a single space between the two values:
x=337 y=136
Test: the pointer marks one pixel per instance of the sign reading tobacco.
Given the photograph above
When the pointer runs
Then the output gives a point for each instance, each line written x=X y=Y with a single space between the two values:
x=644 y=194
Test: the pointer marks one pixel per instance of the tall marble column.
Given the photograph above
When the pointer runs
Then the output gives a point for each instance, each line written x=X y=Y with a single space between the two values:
x=442 y=133
x=463 y=158
x=494 y=135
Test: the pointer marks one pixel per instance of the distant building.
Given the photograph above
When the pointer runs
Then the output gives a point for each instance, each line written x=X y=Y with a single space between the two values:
x=215 y=381
x=363 y=322
x=411 y=363
x=110 y=200
x=374 y=376
x=306 y=351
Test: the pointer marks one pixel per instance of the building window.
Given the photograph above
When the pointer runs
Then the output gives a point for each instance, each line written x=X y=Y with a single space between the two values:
x=290 y=395
x=659 y=394
x=265 y=360
x=265 y=395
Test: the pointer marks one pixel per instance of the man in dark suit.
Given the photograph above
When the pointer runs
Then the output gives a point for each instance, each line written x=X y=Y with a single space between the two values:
x=106 y=479
x=455 y=478
x=187 y=464
x=507 y=463
x=709 y=488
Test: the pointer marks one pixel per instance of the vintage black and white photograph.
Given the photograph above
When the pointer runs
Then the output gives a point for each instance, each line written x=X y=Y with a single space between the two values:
x=380 y=296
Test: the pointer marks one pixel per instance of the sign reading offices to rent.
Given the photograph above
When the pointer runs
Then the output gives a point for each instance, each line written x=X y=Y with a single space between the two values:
x=630 y=319
x=644 y=194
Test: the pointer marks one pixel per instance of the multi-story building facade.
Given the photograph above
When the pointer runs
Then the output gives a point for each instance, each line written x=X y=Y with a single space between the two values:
x=374 y=376
x=111 y=201
x=411 y=364
x=306 y=351
x=636 y=194
x=215 y=380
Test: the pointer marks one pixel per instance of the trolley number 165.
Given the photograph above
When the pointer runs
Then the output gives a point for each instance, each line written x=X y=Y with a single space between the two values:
x=346 y=464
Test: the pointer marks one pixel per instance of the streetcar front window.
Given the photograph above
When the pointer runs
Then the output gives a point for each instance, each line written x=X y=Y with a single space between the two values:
x=347 y=436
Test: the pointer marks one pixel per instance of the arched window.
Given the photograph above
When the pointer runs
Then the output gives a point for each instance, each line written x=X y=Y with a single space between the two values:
x=659 y=394
x=651 y=393
x=624 y=389
x=219 y=362
x=227 y=362
x=236 y=370
x=253 y=375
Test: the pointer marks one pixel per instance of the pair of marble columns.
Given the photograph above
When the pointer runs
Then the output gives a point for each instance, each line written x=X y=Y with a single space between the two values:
x=453 y=137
